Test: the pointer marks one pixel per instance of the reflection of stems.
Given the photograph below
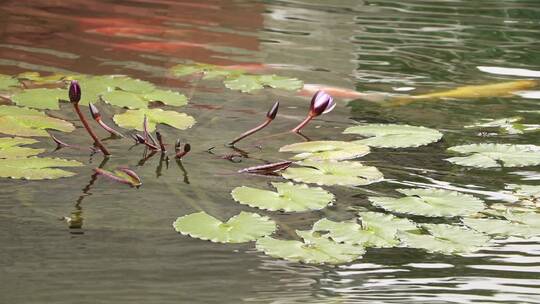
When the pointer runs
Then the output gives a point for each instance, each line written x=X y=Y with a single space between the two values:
x=181 y=166
x=97 y=142
x=146 y=157
x=162 y=158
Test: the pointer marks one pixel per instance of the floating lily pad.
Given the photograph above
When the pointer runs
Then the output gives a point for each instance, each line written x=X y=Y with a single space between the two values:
x=7 y=82
x=37 y=78
x=244 y=227
x=496 y=155
x=289 y=197
x=326 y=150
x=445 y=239
x=375 y=230
x=129 y=84
x=209 y=71
x=527 y=194
x=167 y=97
x=124 y=99
x=28 y=122
x=133 y=119
x=334 y=173
x=249 y=83
x=93 y=87
x=40 y=98
x=315 y=249
x=517 y=227
x=430 y=202
x=35 y=168
x=394 y=136
x=508 y=125
x=10 y=147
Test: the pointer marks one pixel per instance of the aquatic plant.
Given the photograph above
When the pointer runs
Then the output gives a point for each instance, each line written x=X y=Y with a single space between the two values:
x=496 y=155
x=326 y=150
x=270 y=116
x=329 y=173
x=394 y=135
x=321 y=103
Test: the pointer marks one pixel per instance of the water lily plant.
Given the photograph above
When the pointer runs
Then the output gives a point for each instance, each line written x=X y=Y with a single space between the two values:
x=321 y=103
x=270 y=115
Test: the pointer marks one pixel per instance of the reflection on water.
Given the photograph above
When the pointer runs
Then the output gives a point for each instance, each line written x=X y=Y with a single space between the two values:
x=122 y=247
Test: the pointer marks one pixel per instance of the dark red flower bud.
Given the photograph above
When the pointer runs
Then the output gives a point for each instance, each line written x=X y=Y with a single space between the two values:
x=94 y=111
x=321 y=103
x=273 y=111
x=74 y=92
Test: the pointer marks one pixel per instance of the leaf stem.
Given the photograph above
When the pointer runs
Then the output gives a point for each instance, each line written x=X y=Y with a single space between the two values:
x=302 y=124
x=250 y=132
x=97 y=142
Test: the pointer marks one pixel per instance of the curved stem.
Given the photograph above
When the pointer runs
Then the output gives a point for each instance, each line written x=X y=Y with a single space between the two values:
x=249 y=132
x=109 y=129
x=302 y=124
x=90 y=131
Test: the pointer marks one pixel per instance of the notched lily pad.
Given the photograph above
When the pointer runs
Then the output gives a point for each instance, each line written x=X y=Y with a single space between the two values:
x=35 y=168
x=167 y=97
x=133 y=119
x=496 y=155
x=326 y=150
x=509 y=125
x=394 y=135
x=430 y=202
x=10 y=147
x=524 y=225
x=329 y=173
x=40 y=98
x=7 y=82
x=249 y=83
x=209 y=71
x=314 y=249
x=28 y=122
x=244 y=227
x=528 y=195
x=289 y=197
x=124 y=99
x=376 y=229
x=445 y=239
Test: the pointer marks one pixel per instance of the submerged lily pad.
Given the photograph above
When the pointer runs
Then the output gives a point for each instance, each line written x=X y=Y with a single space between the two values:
x=496 y=155
x=40 y=98
x=375 y=230
x=35 y=168
x=445 y=239
x=526 y=225
x=133 y=119
x=10 y=147
x=394 y=135
x=329 y=173
x=315 y=249
x=7 y=82
x=249 y=83
x=430 y=202
x=289 y=197
x=28 y=122
x=244 y=227
x=326 y=150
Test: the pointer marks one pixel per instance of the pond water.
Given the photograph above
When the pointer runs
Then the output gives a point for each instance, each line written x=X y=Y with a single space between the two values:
x=127 y=251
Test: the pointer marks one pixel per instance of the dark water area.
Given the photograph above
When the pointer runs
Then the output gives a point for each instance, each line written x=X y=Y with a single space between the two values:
x=127 y=251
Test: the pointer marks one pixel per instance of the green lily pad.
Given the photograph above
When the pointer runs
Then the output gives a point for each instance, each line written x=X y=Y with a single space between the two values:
x=28 y=122
x=508 y=125
x=129 y=84
x=315 y=249
x=10 y=147
x=40 y=98
x=445 y=239
x=249 y=83
x=35 y=168
x=167 y=97
x=517 y=227
x=330 y=173
x=244 y=83
x=7 y=82
x=289 y=197
x=430 y=202
x=394 y=136
x=209 y=71
x=376 y=229
x=93 y=87
x=37 y=78
x=133 y=119
x=244 y=227
x=280 y=82
x=326 y=150
x=124 y=99
x=496 y=155
x=528 y=194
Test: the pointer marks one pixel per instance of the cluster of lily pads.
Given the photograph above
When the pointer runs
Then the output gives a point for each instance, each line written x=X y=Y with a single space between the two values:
x=466 y=223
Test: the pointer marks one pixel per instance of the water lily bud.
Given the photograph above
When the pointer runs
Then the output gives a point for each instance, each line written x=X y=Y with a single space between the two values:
x=74 y=91
x=273 y=111
x=321 y=103
x=187 y=148
x=94 y=111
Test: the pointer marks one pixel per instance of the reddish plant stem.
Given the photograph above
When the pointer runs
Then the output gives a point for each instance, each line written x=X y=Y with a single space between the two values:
x=160 y=141
x=109 y=129
x=112 y=177
x=302 y=124
x=250 y=132
x=97 y=142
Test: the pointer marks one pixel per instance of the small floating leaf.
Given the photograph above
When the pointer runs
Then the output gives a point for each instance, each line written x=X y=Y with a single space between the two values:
x=289 y=197
x=7 y=82
x=124 y=99
x=167 y=97
x=133 y=119
x=376 y=230
x=28 y=122
x=35 y=168
x=244 y=83
x=40 y=98
x=280 y=82
x=129 y=84
x=329 y=173
x=9 y=147
x=395 y=136
x=508 y=125
x=518 y=227
x=445 y=239
x=209 y=71
x=527 y=194
x=314 y=249
x=496 y=155
x=249 y=83
x=37 y=78
x=326 y=150
x=430 y=202
x=240 y=228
